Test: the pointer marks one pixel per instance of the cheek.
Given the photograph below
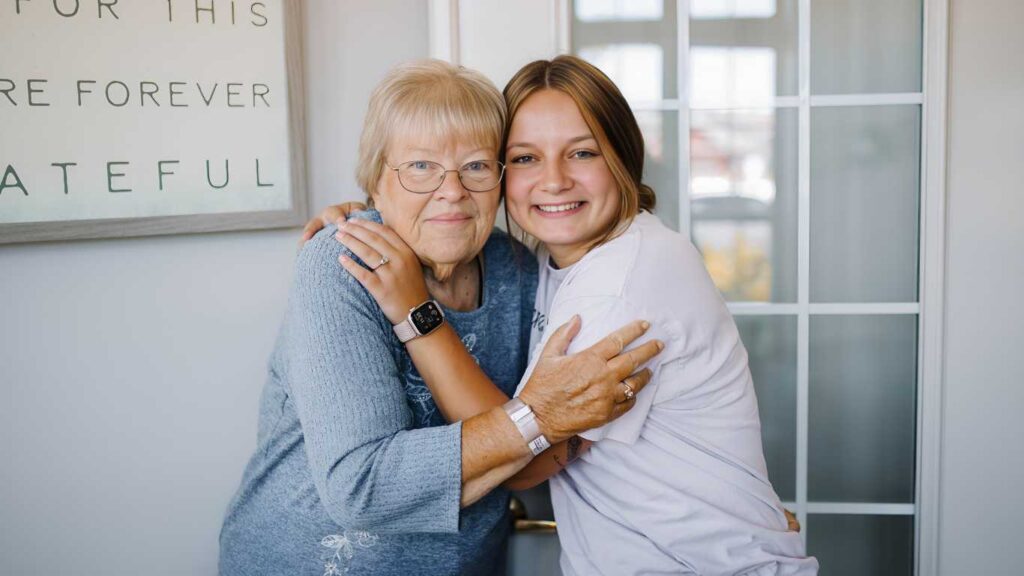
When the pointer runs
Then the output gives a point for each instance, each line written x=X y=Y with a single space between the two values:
x=604 y=188
x=401 y=216
x=488 y=213
x=516 y=194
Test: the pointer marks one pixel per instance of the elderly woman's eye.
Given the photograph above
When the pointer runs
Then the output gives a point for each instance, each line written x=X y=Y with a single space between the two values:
x=419 y=166
x=478 y=166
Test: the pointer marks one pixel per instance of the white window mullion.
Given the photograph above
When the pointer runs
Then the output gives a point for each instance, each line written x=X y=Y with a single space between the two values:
x=820 y=309
x=762 y=309
x=563 y=26
x=776 y=102
x=861 y=508
x=683 y=88
x=866 y=99
x=803 y=260
x=654 y=105
x=854 y=309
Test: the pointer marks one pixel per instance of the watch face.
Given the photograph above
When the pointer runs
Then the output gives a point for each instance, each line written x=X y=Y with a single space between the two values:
x=427 y=317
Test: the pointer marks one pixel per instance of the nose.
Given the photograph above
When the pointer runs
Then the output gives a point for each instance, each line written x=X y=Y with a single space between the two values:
x=555 y=177
x=451 y=188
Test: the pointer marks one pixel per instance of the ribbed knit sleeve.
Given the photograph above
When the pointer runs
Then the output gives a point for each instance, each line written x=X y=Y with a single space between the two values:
x=372 y=469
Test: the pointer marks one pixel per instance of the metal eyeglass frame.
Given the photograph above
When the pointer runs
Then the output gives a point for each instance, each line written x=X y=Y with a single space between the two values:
x=397 y=169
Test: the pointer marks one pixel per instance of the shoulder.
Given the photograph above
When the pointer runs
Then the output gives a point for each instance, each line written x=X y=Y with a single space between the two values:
x=509 y=262
x=506 y=250
x=667 y=260
x=606 y=269
x=319 y=278
x=320 y=254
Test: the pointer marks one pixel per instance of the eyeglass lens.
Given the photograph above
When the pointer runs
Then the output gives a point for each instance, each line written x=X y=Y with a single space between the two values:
x=423 y=176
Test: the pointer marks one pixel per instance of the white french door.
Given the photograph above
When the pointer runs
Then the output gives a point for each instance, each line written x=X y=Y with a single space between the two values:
x=800 y=145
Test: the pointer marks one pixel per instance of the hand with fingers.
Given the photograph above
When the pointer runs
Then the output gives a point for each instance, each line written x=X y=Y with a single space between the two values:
x=336 y=213
x=575 y=393
x=793 y=525
x=395 y=275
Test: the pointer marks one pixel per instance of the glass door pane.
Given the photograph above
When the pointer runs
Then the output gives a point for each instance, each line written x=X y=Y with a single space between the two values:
x=865 y=185
x=866 y=46
x=863 y=375
x=742 y=53
x=661 y=161
x=858 y=545
x=743 y=187
x=771 y=345
x=634 y=43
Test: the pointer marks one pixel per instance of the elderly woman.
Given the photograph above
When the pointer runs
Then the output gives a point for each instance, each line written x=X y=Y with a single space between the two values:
x=356 y=469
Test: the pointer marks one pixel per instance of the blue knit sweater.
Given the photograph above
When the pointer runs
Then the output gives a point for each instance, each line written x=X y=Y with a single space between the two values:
x=356 y=471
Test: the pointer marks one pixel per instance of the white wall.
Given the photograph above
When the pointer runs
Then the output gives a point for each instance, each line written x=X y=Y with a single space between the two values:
x=498 y=37
x=350 y=44
x=130 y=370
x=983 y=429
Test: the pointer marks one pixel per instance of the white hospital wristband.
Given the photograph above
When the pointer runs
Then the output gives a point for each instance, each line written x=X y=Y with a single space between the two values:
x=522 y=416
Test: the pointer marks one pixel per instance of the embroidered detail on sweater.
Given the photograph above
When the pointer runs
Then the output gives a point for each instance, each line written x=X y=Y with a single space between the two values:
x=344 y=547
x=469 y=341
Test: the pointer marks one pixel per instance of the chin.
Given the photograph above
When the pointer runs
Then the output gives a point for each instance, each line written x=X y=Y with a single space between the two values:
x=555 y=235
x=451 y=255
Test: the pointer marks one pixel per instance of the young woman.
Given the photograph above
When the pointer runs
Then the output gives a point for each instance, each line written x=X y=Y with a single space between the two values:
x=679 y=483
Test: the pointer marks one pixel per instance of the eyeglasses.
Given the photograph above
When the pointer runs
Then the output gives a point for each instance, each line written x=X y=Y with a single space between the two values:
x=424 y=176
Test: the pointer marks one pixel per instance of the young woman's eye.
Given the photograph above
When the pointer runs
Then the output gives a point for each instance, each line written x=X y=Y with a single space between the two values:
x=584 y=154
x=523 y=159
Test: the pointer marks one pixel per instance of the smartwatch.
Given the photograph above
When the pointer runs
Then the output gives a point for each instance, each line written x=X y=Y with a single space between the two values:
x=422 y=320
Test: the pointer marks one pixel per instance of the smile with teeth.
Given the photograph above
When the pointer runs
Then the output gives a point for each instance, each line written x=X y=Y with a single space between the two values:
x=553 y=208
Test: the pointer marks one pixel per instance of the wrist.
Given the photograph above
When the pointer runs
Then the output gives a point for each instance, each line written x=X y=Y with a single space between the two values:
x=526 y=423
x=420 y=321
x=536 y=406
x=399 y=308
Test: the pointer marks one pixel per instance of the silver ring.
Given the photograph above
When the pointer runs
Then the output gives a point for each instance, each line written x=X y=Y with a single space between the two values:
x=383 y=260
x=628 y=392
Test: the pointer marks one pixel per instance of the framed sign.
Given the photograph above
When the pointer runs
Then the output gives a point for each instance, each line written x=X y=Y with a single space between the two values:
x=133 y=118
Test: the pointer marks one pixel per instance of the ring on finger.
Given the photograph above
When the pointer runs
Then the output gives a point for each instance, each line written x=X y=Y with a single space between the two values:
x=628 y=393
x=383 y=260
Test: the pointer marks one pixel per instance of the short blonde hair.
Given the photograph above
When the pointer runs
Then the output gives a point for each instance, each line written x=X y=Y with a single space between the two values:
x=428 y=97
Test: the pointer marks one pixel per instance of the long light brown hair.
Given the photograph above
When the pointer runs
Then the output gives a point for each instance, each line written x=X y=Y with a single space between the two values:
x=609 y=118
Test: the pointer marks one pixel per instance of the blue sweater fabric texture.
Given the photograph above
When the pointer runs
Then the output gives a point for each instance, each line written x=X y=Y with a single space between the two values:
x=355 y=470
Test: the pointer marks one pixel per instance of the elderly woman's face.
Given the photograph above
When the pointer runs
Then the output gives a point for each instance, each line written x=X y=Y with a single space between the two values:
x=449 y=226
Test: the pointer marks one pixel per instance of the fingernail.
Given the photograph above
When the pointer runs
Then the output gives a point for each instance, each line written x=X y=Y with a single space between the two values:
x=645 y=324
x=661 y=345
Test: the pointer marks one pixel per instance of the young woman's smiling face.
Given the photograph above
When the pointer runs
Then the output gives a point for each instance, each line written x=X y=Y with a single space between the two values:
x=559 y=188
